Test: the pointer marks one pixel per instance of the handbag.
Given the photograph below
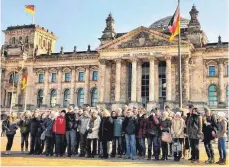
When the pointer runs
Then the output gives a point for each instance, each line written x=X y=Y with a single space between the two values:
x=43 y=135
x=166 y=137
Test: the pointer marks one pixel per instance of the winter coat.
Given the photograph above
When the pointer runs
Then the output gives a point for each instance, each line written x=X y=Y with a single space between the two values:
x=118 y=126
x=106 y=129
x=47 y=127
x=83 y=123
x=153 y=126
x=194 y=126
x=34 y=125
x=40 y=129
x=94 y=126
x=222 y=128
x=177 y=128
x=142 y=131
x=129 y=126
x=59 y=125
x=165 y=125
x=10 y=127
x=71 y=123
x=209 y=125
x=24 y=125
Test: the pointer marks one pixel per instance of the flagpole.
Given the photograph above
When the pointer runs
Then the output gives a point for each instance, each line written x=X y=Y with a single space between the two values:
x=33 y=19
x=11 y=102
x=179 y=66
x=25 y=98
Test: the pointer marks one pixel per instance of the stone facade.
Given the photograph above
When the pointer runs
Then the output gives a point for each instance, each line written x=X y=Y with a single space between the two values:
x=104 y=76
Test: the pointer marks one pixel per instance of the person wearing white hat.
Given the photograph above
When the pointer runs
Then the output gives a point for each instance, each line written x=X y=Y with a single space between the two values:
x=221 y=135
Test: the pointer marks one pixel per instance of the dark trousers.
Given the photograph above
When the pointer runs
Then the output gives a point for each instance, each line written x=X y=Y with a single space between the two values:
x=32 y=142
x=38 y=145
x=142 y=146
x=10 y=139
x=155 y=140
x=194 y=144
x=49 y=145
x=123 y=145
x=60 y=146
x=25 y=140
x=170 y=148
x=83 y=143
x=137 y=146
x=77 y=142
x=104 y=145
x=114 y=143
x=208 y=148
x=94 y=143
x=164 y=147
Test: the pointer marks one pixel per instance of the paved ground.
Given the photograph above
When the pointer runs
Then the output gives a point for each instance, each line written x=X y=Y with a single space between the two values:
x=18 y=159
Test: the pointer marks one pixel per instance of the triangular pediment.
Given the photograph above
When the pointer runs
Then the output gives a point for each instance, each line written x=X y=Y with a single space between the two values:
x=140 y=37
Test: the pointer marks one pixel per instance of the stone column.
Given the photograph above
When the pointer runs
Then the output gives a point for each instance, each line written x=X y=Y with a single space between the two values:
x=59 y=88
x=73 y=80
x=221 y=82
x=151 y=79
x=134 y=81
x=139 y=81
x=30 y=89
x=118 y=80
x=46 y=86
x=156 y=81
x=186 y=79
x=3 y=95
x=102 y=70
x=168 y=79
x=87 y=85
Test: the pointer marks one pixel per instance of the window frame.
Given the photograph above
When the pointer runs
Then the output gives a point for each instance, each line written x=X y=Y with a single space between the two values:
x=213 y=103
x=66 y=99
x=53 y=78
x=51 y=96
x=80 y=97
x=39 y=96
x=94 y=101
x=81 y=80
x=39 y=81
x=95 y=77
x=209 y=71
x=67 y=79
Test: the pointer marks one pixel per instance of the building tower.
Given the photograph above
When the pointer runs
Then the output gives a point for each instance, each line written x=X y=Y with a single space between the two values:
x=109 y=32
x=28 y=38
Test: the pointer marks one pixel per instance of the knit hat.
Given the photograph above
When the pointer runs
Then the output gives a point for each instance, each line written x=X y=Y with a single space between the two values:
x=190 y=106
x=178 y=114
x=63 y=111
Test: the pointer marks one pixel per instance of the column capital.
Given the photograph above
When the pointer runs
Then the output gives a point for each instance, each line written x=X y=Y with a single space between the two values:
x=168 y=57
x=220 y=61
x=103 y=61
x=186 y=56
x=118 y=60
x=152 y=58
x=87 y=67
x=134 y=59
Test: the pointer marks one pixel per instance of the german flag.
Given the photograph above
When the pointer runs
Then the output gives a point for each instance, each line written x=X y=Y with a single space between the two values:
x=24 y=81
x=30 y=9
x=174 y=24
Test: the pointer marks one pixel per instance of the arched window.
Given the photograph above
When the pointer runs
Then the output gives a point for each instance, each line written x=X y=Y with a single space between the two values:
x=26 y=39
x=20 y=39
x=212 y=96
x=80 y=97
x=13 y=40
x=40 y=98
x=228 y=95
x=13 y=78
x=53 y=98
x=94 y=97
x=66 y=97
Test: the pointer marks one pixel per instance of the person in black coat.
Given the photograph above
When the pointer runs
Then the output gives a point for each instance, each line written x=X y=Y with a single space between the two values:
x=106 y=131
x=209 y=127
x=130 y=128
x=34 y=127
x=49 y=135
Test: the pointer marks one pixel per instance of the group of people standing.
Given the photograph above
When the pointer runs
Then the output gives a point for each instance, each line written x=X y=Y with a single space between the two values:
x=90 y=132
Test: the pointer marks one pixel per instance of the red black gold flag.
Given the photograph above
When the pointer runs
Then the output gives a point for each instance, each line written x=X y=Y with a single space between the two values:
x=174 y=24
x=30 y=9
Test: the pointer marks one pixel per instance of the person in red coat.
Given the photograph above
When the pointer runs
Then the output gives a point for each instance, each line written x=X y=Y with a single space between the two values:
x=59 y=128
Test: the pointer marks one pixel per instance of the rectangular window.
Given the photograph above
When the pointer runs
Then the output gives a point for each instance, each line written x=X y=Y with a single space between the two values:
x=227 y=70
x=95 y=76
x=53 y=77
x=81 y=76
x=67 y=77
x=211 y=71
x=41 y=78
